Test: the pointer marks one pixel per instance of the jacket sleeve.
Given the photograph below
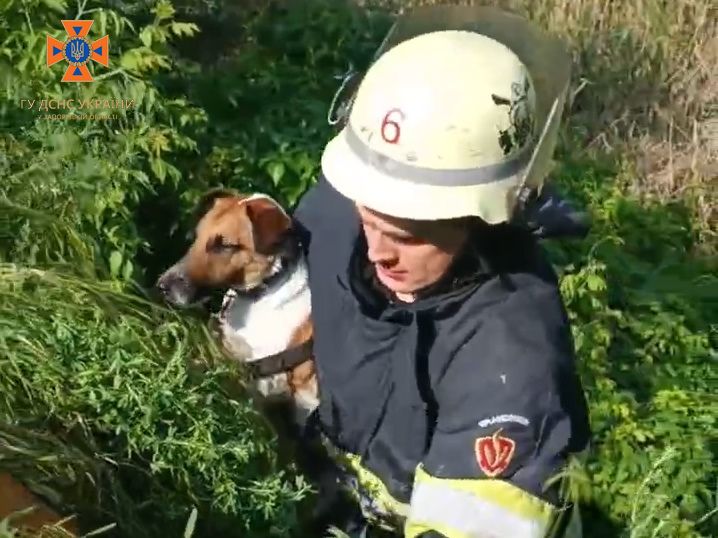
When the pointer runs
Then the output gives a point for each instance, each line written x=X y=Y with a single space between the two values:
x=306 y=216
x=324 y=214
x=511 y=409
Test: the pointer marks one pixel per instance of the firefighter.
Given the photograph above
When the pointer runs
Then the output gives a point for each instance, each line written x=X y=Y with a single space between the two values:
x=450 y=400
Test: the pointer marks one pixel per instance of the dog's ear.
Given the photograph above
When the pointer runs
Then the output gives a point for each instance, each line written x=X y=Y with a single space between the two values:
x=206 y=202
x=269 y=221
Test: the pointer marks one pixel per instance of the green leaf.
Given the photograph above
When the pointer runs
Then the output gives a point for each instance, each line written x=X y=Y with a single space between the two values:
x=127 y=271
x=130 y=60
x=164 y=10
x=146 y=36
x=191 y=522
x=56 y=5
x=159 y=168
x=184 y=28
x=276 y=171
x=115 y=263
x=595 y=283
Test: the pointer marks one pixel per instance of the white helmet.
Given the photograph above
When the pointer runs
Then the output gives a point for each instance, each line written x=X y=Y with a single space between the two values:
x=457 y=116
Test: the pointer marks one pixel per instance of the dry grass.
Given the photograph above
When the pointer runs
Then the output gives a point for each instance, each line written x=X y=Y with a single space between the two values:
x=645 y=85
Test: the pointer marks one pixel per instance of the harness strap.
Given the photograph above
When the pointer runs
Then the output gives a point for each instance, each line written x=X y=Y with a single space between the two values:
x=283 y=361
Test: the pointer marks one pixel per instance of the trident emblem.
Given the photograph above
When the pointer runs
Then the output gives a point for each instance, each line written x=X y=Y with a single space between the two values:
x=77 y=50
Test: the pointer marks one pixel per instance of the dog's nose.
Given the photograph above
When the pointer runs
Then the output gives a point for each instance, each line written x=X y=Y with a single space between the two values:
x=172 y=283
x=165 y=284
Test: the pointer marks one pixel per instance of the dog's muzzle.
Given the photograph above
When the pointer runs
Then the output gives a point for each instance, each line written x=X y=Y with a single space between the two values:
x=175 y=287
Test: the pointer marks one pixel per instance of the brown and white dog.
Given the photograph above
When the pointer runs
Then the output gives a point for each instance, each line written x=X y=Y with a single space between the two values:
x=244 y=245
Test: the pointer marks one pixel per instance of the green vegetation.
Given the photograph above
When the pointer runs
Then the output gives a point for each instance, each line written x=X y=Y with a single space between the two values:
x=121 y=411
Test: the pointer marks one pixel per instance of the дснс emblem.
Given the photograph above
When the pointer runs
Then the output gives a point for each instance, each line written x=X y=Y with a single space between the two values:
x=78 y=51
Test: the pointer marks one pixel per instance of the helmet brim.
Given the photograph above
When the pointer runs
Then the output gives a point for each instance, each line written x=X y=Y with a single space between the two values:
x=403 y=198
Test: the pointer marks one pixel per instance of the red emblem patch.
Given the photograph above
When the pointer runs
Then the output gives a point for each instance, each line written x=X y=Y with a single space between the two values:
x=494 y=453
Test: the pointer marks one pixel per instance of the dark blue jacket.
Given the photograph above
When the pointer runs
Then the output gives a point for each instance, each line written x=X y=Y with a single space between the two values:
x=403 y=385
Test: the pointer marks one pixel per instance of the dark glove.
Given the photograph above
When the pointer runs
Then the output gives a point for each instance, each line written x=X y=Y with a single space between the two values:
x=552 y=216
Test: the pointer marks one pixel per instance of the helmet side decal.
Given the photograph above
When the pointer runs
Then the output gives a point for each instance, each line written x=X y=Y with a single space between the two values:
x=522 y=121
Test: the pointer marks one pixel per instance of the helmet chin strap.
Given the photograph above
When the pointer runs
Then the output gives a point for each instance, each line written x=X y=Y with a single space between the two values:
x=342 y=101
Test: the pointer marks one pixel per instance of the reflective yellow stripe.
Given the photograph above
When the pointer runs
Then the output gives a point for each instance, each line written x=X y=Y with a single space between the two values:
x=375 y=486
x=469 y=508
x=386 y=511
x=457 y=508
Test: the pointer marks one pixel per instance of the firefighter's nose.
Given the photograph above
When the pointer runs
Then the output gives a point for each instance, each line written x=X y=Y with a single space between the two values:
x=379 y=249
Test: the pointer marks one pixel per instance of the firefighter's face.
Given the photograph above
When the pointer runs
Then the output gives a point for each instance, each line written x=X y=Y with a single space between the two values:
x=409 y=255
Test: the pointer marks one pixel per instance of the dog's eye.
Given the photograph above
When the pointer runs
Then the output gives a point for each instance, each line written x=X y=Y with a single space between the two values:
x=219 y=244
